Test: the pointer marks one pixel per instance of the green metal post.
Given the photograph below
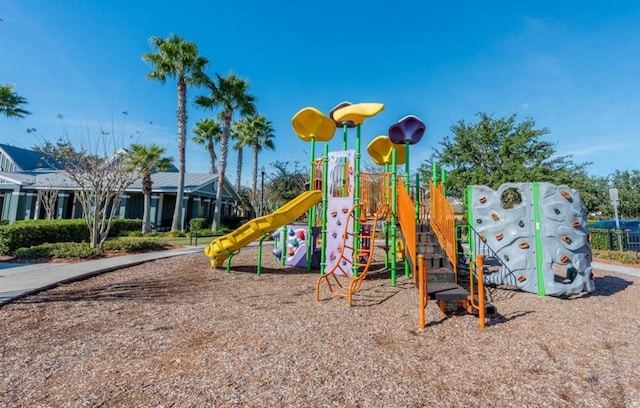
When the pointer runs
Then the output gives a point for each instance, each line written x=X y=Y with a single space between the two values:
x=394 y=227
x=417 y=198
x=443 y=179
x=260 y=254
x=312 y=212
x=283 y=237
x=386 y=222
x=344 y=136
x=356 y=201
x=537 y=219
x=434 y=173
x=325 y=192
x=407 y=271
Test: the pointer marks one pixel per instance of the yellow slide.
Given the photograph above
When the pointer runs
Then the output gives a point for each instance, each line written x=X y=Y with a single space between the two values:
x=219 y=249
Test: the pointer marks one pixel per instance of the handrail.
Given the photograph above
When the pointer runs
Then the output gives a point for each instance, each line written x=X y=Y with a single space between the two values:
x=442 y=222
x=478 y=265
x=407 y=220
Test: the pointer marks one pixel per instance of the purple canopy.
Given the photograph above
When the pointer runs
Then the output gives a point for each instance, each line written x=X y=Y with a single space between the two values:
x=350 y=124
x=409 y=128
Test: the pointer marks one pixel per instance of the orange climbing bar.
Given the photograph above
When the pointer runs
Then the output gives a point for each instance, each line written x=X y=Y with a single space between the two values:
x=479 y=306
x=361 y=257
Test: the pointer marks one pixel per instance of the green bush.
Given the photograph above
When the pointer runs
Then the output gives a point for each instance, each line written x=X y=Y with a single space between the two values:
x=232 y=222
x=28 y=233
x=35 y=232
x=196 y=224
x=133 y=244
x=122 y=227
x=607 y=239
x=58 y=250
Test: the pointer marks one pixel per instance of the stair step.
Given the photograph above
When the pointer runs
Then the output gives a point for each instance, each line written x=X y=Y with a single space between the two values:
x=457 y=293
x=437 y=287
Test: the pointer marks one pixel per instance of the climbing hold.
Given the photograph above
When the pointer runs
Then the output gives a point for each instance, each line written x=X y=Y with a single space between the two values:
x=300 y=234
x=295 y=242
x=567 y=239
x=483 y=238
x=345 y=210
x=522 y=278
x=576 y=223
x=291 y=251
x=521 y=224
x=334 y=235
x=291 y=232
x=339 y=222
x=479 y=221
x=495 y=216
x=564 y=258
x=334 y=213
x=506 y=258
x=332 y=257
x=555 y=210
x=566 y=195
x=524 y=245
x=483 y=200
x=499 y=237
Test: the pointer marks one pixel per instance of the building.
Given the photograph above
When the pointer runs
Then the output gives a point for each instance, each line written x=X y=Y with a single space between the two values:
x=25 y=175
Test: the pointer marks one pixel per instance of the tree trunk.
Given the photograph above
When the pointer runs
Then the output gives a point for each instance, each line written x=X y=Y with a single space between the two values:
x=222 y=164
x=239 y=171
x=255 y=171
x=212 y=157
x=146 y=190
x=181 y=113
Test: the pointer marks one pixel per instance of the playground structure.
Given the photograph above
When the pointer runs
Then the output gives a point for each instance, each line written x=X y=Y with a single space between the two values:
x=349 y=210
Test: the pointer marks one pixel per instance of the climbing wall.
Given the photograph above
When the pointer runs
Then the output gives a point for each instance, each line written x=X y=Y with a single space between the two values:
x=339 y=202
x=294 y=244
x=541 y=242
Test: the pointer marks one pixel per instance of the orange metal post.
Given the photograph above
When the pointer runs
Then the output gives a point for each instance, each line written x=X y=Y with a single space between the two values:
x=422 y=290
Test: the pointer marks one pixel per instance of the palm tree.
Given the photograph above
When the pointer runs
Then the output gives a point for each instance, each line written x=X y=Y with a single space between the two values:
x=147 y=159
x=241 y=133
x=177 y=58
x=207 y=132
x=261 y=139
x=10 y=103
x=231 y=94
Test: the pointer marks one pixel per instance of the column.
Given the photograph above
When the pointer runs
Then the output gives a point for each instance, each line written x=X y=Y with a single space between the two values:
x=153 y=211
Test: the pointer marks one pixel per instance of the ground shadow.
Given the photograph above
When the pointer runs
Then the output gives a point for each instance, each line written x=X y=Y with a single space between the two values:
x=138 y=290
x=609 y=285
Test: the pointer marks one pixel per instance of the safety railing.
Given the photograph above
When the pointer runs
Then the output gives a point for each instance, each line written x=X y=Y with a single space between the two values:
x=407 y=220
x=479 y=247
x=442 y=221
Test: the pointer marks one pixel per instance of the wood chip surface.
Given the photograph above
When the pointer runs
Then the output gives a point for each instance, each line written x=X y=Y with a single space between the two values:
x=174 y=333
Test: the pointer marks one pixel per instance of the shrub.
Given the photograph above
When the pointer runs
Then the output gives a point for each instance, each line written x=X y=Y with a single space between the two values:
x=607 y=239
x=58 y=250
x=197 y=224
x=29 y=233
x=35 y=232
x=122 y=227
x=625 y=257
x=133 y=244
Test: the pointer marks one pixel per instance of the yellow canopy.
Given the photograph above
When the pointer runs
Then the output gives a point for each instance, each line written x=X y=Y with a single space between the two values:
x=357 y=113
x=380 y=149
x=310 y=122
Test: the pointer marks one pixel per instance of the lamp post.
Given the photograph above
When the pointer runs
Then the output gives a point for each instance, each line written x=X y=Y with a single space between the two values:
x=262 y=191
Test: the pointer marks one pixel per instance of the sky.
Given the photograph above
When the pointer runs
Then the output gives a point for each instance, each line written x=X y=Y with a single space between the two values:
x=572 y=66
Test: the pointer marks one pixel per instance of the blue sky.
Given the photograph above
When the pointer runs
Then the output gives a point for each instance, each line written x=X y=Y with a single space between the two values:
x=572 y=66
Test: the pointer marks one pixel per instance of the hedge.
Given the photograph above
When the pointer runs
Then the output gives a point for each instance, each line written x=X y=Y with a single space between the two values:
x=25 y=234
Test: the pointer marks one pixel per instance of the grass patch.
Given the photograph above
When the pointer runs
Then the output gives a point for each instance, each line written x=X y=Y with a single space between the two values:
x=625 y=257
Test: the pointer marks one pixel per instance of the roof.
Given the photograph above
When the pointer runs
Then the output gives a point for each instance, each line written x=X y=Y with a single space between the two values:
x=26 y=159
x=165 y=182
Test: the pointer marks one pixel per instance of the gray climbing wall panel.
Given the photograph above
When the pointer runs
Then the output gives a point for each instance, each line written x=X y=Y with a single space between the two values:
x=540 y=241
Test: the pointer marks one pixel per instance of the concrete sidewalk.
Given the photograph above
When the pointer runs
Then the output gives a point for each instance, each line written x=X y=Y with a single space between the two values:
x=19 y=280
